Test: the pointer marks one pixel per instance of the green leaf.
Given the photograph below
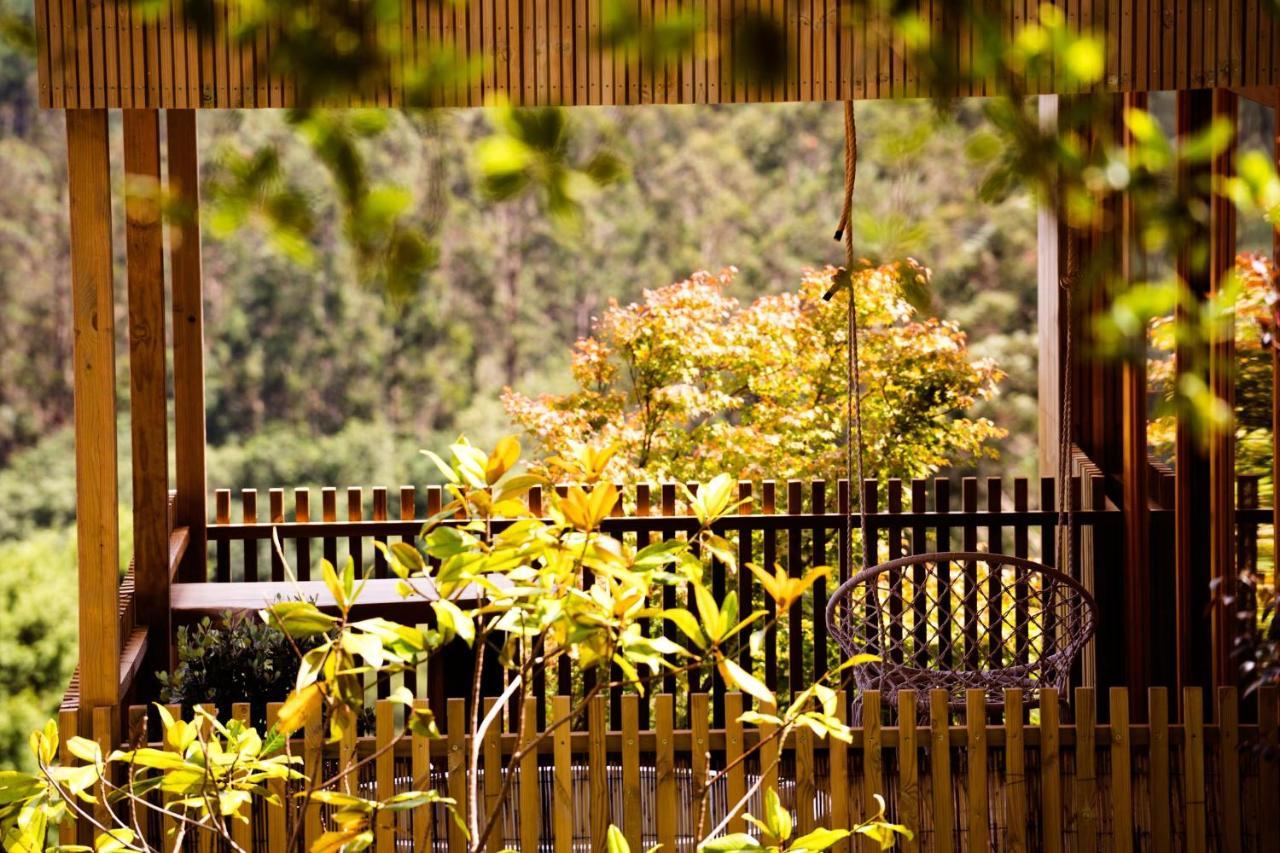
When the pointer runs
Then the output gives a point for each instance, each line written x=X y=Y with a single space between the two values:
x=453 y=620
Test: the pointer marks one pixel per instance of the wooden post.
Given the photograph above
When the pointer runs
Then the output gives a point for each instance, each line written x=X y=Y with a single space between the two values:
x=1134 y=466
x=1049 y=316
x=1222 y=443
x=1206 y=464
x=188 y=342
x=149 y=414
x=97 y=513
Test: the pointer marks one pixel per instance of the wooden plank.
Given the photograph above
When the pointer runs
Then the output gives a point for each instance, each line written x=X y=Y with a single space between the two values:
x=908 y=768
x=187 y=317
x=735 y=777
x=1269 y=771
x=700 y=747
x=249 y=514
x=665 y=768
x=1086 y=782
x=872 y=759
x=104 y=735
x=242 y=831
x=1193 y=768
x=1015 y=773
x=456 y=770
x=276 y=823
x=420 y=751
x=562 y=791
x=806 y=782
x=599 y=782
x=385 y=774
x=493 y=767
x=770 y=749
x=148 y=375
x=1229 y=768
x=312 y=768
x=976 y=758
x=1121 y=773
x=940 y=768
x=1158 y=752
x=632 y=815
x=1050 y=772
x=94 y=375
x=838 y=776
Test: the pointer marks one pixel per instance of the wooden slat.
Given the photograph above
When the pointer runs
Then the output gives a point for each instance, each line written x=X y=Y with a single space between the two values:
x=242 y=831
x=806 y=779
x=599 y=782
x=1193 y=768
x=562 y=791
x=872 y=759
x=908 y=768
x=1229 y=768
x=385 y=774
x=940 y=768
x=770 y=749
x=735 y=778
x=93 y=311
x=493 y=764
x=276 y=829
x=1086 y=782
x=1121 y=773
x=1050 y=772
x=1158 y=751
x=976 y=723
x=665 y=768
x=1269 y=771
x=420 y=748
x=1015 y=789
x=700 y=760
x=632 y=816
x=456 y=769
x=312 y=768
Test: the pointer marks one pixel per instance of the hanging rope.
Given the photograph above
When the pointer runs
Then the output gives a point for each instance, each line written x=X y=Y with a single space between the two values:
x=853 y=414
x=1066 y=504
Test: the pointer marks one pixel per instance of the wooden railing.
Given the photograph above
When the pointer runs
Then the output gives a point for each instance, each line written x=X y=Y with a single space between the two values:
x=794 y=524
x=1039 y=780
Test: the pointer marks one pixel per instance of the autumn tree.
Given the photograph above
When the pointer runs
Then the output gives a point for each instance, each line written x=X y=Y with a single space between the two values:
x=689 y=381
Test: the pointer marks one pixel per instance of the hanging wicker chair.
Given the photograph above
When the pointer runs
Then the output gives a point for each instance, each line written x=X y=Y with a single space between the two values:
x=959 y=621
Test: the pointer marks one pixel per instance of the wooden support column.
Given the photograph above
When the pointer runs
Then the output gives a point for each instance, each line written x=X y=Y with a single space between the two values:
x=149 y=419
x=1134 y=467
x=191 y=510
x=1222 y=379
x=1205 y=488
x=97 y=512
x=1049 y=326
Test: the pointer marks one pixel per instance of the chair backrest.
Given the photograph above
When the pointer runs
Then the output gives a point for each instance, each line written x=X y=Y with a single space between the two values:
x=960 y=620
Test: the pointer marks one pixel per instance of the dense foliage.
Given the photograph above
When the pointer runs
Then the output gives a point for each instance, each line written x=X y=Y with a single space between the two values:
x=690 y=381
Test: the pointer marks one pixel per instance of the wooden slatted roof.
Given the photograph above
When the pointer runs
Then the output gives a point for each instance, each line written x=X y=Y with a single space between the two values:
x=106 y=53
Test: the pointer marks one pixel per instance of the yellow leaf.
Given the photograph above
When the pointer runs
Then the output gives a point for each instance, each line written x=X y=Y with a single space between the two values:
x=736 y=676
x=300 y=707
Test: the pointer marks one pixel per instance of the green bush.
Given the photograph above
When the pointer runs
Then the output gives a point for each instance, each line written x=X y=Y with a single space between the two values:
x=238 y=658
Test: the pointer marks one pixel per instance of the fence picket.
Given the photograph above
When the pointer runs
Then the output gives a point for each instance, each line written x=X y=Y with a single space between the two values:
x=908 y=766
x=976 y=760
x=562 y=792
x=806 y=790
x=665 y=767
x=1193 y=767
x=313 y=767
x=530 y=822
x=456 y=769
x=277 y=831
x=302 y=514
x=1015 y=764
x=385 y=773
x=1269 y=771
x=420 y=751
x=872 y=759
x=241 y=831
x=940 y=768
x=1086 y=784
x=1158 y=751
x=598 y=757
x=491 y=749
x=1229 y=767
x=1050 y=772
x=1121 y=770
x=632 y=815
x=735 y=777
x=700 y=760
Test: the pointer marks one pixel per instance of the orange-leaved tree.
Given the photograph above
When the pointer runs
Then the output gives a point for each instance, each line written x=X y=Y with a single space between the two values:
x=690 y=381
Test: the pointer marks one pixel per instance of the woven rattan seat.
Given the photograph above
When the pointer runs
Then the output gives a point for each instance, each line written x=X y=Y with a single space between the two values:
x=960 y=621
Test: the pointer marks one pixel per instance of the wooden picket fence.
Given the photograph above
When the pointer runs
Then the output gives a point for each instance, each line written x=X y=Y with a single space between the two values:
x=1053 y=779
